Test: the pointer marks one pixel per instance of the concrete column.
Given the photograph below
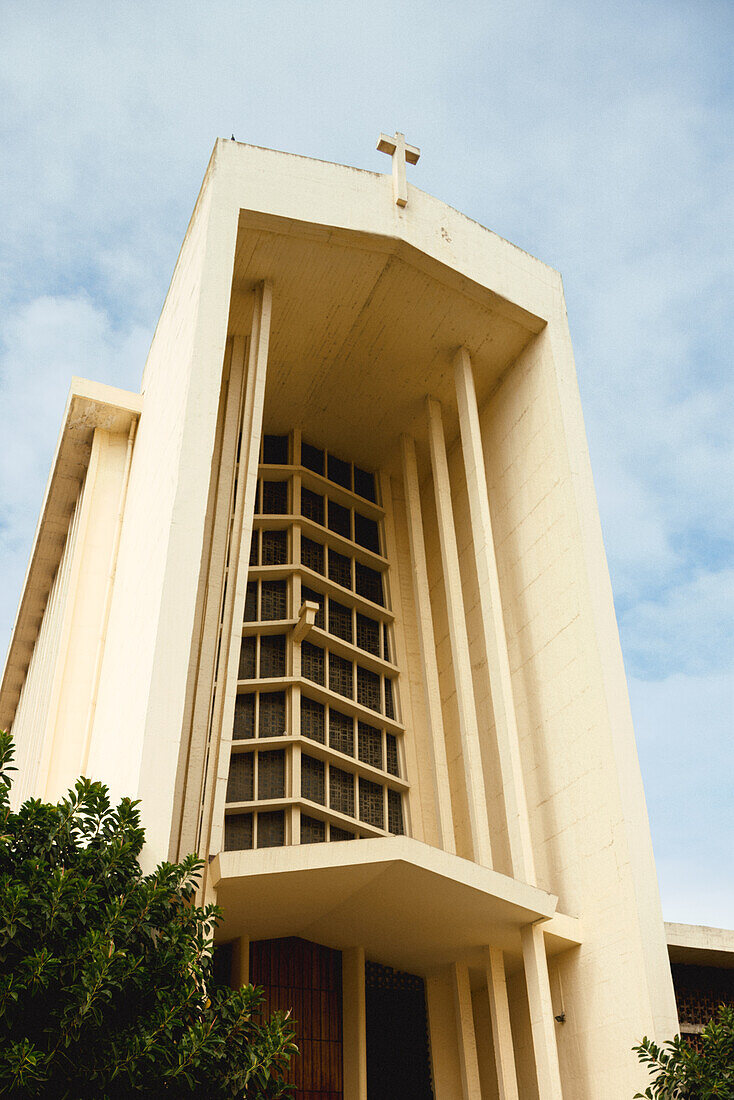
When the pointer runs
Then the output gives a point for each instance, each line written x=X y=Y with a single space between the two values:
x=239 y=556
x=495 y=639
x=354 y=1024
x=421 y=593
x=499 y=1011
x=474 y=775
x=470 y=1086
x=185 y=837
x=542 y=1023
x=445 y=1061
x=414 y=824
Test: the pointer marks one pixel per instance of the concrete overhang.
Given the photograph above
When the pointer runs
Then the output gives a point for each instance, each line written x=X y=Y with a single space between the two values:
x=410 y=906
x=697 y=945
x=370 y=301
x=363 y=327
x=90 y=405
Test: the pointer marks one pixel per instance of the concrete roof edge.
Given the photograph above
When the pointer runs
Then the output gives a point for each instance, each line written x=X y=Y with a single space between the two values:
x=224 y=145
x=699 y=937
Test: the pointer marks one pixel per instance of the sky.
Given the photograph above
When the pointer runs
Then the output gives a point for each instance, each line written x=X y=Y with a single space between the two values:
x=596 y=136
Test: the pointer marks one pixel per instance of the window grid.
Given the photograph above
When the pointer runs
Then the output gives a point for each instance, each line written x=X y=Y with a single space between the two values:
x=313 y=664
x=395 y=813
x=274 y=548
x=272 y=655
x=313 y=720
x=313 y=779
x=341 y=732
x=370 y=745
x=240 y=784
x=270 y=829
x=238 y=832
x=271 y=774
x=313 y=830
x=312 y=506
x=263 y=714
x=391 y=751
x=271 y=709
x=341 y=790
x=273 y=600
x=340 y=569
x=340 y=621
x=315 y=597
x=244 y=718
x=312 y=555
x=341 y=675
x=251 y=602
x=274 y=498
x=371 y=807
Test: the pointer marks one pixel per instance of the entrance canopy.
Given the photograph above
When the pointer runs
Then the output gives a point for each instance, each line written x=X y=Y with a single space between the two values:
x=410 y=906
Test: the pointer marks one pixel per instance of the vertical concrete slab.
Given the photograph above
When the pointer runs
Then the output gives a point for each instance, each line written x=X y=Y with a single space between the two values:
x=354 y=1034
x=427 y=641
x=469 y=728
x=493 y=624
x=499 y=1010
x=468 y=1063
x=541 y=1013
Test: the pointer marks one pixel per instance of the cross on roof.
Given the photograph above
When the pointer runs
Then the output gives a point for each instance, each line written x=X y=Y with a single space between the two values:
x=400 y=153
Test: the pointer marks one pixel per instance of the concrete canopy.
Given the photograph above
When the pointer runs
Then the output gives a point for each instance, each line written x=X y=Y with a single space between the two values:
x=326 y=893
x=364 y=326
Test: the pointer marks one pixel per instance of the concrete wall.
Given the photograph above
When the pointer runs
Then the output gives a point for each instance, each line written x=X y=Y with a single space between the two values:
x=590 y=834
x=139 y=713
x=77 y=666
x=30 y=726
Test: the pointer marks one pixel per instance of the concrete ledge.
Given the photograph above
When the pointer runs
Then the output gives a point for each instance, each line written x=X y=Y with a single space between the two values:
x=409 y=905
x=698 y=945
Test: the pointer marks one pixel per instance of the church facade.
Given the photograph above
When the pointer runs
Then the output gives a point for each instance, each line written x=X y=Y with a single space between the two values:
x=330 y=597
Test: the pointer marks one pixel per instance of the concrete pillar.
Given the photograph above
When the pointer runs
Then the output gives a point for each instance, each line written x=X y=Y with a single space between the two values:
x=473 y=772
x=445 y=1060
x=542 y=1023
x=468 y=1062
x=185 y=838
x=429 y=664
x=354 y=1024
x=223 y=716
x=499 y=1010
x=495 y=639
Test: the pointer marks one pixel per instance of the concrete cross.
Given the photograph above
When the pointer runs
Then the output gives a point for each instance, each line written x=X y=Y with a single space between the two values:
x=400 y=153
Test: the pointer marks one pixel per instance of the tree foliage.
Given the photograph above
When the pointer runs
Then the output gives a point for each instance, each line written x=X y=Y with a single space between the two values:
x=106 y=985
x=684 y=1072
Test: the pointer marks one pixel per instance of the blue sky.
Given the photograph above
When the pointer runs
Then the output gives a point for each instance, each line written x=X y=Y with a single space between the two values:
x=596 y=136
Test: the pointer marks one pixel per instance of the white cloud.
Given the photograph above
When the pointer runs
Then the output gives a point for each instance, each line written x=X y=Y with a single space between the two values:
x=44 y=343
x=596 y=136
x=684 y=726
x=689 y=629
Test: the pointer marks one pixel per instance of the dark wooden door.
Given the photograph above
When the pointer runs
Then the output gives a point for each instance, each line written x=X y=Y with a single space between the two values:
x=398 y=1059
x=306 y=978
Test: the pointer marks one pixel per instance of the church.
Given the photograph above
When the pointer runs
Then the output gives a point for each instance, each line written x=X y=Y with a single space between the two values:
x=330 y=597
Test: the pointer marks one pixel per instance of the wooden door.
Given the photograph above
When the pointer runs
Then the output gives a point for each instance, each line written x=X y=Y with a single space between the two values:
x=306 y=978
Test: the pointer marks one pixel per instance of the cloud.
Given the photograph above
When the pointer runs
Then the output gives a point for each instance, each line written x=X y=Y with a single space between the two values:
x=688 y=630
x=42 y=344
x=596 y=136
x=684 y=736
